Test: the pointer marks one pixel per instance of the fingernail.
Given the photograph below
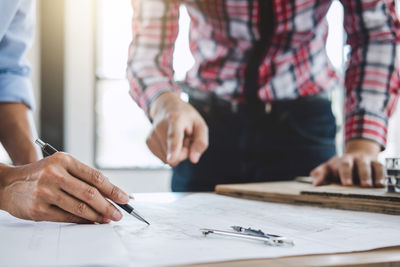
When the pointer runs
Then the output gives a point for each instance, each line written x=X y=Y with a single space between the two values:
x=106 y=220
x=196 y=157
x=123 y=197
x=348 y=182
x=117 y=215
x=169 y=156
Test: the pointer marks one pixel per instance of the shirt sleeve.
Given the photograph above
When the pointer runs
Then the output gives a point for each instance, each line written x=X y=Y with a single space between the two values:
x=372 y=74
x=155 y=29
x=15 y=85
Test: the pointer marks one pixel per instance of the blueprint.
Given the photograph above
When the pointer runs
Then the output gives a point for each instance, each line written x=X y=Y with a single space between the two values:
x=174 y=236
x=26 y=243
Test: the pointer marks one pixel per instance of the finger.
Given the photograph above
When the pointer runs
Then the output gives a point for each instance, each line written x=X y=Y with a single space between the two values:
x=175 y=138
x=378 y=173
x=91 y=196
x=98 y=180
x=346 y=170
x=58 y=215
x=200 y=142
x=364 y=171
x=184 y=153
x=320 y=174
x=78 y=208
x=153 y=143
x=161 y=141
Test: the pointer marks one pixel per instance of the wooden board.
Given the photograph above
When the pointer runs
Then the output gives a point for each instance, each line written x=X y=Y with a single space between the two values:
x=330 y=196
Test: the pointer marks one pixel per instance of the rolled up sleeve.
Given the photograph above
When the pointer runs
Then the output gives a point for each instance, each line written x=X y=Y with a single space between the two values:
x=16 y=88
x=15 y=85
x=372 y=76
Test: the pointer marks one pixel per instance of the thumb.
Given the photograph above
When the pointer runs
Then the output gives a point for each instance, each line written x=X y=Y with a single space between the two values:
x=320 y=174
x=199 y=142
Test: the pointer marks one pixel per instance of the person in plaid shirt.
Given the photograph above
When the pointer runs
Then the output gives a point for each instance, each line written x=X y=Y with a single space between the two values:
x=258 y=90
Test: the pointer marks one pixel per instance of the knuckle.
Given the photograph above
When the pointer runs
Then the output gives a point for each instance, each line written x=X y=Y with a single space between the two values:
x=62 y=157
x=346 y=163
x=114 y=191
x=97 y=178
x=91 y=193
x=80 y=209
x=49 y=174
x=360 y=159
x=49 y=170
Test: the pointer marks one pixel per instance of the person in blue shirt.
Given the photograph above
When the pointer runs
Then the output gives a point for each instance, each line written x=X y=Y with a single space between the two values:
x=57 y=188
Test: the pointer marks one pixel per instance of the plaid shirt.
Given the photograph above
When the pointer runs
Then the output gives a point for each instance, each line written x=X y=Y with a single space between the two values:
x=275 y=48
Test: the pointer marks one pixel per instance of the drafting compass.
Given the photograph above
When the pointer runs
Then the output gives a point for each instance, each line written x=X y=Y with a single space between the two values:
x=248 y=233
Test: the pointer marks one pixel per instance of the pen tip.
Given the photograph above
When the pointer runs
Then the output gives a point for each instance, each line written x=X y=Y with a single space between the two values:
x=137 y=216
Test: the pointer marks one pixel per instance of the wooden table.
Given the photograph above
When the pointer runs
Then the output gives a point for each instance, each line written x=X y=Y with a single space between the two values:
x=378 y=257
x=384 y=257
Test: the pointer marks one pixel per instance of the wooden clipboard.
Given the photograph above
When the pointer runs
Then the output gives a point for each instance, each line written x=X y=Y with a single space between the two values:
x=301 y=192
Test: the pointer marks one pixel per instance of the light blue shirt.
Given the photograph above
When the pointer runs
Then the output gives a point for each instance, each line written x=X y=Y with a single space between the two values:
x=17 y=20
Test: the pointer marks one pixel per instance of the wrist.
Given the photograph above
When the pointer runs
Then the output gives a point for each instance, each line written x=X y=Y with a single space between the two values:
x=163 y=102
x=363 y=146
x=6 y=178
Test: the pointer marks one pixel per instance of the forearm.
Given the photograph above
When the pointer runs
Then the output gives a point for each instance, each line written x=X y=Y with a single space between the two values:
x=17 y=133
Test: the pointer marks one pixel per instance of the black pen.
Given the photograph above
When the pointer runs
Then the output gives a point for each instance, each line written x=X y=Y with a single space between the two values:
x=50 y=150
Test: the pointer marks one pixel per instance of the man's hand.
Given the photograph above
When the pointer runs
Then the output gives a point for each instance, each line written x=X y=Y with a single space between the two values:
x=358 y=162
x=179 y=132
x=59 y=188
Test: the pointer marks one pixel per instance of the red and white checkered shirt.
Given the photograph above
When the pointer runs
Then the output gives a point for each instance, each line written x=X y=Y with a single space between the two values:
x=276 y=46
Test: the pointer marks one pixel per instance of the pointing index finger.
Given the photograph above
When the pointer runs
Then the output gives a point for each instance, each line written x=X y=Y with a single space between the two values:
x=175 y=137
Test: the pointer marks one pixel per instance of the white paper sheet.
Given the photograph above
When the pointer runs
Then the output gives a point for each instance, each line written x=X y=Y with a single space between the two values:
x=174 y=237
x=26 y=243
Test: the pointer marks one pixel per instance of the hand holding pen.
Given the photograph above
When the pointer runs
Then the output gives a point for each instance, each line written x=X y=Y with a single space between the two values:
x=97 y=188
x=59 y=188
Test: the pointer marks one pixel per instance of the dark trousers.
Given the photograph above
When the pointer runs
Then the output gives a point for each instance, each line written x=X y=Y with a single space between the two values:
x=245 y=147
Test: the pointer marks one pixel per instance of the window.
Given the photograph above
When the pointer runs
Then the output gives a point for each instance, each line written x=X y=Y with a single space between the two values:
x=121 y=126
